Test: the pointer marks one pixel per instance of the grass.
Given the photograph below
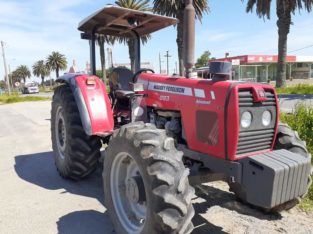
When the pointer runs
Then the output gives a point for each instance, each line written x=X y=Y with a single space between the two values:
x=46 y=89
x=297 y=89
x=6 y=99
x=302 y=122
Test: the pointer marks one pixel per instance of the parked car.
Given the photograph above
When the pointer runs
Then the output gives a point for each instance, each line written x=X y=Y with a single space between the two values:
x=30 y=88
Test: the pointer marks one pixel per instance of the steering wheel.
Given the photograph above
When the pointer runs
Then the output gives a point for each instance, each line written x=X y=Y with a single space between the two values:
x=135 y=76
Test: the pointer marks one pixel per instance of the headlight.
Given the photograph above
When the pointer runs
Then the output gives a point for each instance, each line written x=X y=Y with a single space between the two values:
x=246 y=119
x=266 y=118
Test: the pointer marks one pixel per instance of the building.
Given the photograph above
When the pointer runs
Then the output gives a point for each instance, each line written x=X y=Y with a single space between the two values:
x=147 y=65
x=262 y=68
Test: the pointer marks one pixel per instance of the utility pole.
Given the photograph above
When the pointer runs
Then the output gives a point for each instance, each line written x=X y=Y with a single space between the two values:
x=160 y=63
x=176 y=71
x=5 y=68
x=167 y=56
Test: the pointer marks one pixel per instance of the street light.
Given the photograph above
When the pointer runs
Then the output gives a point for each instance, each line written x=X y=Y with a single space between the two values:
x=11 y=60
x=5 y=68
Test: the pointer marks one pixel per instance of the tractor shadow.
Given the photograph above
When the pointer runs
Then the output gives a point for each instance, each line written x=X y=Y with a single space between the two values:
x=86 y=221
x=217 y=197
x=39 y=169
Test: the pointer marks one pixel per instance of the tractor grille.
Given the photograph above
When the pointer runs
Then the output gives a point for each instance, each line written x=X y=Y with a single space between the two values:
x=256 y=138
x=246 y=99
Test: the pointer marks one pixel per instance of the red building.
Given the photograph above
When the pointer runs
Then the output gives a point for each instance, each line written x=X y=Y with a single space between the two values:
x=262 y=68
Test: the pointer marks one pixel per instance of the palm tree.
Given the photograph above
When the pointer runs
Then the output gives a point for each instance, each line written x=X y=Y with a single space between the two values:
x=56 y=62
x=22 y=72
x=40 y=69
x=284 y=11
x=175 y=8
x=140 y=5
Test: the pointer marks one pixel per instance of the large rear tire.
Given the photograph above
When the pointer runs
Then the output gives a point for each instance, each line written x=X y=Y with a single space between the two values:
x=76 y=154
x=145 y=182
x=286 y=139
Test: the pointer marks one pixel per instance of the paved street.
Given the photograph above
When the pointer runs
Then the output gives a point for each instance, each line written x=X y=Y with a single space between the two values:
x=288 y=102
x=35 y=199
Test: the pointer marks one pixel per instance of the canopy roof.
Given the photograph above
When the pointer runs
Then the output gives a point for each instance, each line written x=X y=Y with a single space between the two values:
x=118 y=21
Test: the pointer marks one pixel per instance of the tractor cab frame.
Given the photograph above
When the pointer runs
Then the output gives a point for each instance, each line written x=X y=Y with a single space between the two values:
x=120 y=22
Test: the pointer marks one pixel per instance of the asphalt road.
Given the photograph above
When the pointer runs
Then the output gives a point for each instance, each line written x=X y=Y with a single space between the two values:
x=288 y=102
x=35 y=199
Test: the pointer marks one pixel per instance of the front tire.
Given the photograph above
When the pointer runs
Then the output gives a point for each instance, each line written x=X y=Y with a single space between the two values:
x=145 y=182
x=76 y=154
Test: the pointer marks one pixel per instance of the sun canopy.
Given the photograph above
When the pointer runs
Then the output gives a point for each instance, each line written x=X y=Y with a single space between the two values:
x=118 y=21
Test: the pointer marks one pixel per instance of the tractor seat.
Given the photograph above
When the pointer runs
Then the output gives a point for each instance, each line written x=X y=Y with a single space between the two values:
x=120 y=94
x=120 y=83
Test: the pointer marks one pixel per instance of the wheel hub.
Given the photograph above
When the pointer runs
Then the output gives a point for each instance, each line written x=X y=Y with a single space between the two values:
x=128 y=192
x=60 y=130
x=135 y=189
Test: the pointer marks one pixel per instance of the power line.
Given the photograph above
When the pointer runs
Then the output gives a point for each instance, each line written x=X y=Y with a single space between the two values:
x=309 y=46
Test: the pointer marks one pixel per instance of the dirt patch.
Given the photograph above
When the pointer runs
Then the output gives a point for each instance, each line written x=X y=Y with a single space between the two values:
x=218 y=211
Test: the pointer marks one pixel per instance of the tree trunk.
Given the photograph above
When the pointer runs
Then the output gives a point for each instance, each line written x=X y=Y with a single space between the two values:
x=24 y=79
x=42 y=81
x=179 y=41
x=131 y=50
x=57 y=72
x=102 y=58
x=283 y=24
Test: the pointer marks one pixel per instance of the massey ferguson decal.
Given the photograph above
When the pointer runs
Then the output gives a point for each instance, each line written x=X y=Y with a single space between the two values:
x=170 y=88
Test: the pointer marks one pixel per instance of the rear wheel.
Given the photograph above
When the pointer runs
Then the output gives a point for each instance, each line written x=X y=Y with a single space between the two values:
x=145 y=182
x=76 y=154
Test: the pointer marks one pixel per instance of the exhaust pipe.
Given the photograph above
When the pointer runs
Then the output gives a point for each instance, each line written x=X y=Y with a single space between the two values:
x=189 y=37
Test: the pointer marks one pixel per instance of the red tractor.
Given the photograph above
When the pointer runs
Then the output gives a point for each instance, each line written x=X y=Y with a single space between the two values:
x=165 y=134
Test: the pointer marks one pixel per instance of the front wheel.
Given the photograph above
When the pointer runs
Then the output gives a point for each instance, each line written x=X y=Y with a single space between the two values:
x=145 y=182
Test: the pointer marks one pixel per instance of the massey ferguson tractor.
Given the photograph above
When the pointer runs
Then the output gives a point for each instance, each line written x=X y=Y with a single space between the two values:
x=164 y=134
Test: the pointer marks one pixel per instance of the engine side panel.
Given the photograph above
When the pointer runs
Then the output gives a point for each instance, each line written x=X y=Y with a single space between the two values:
x=209 y=110
x=195 y=99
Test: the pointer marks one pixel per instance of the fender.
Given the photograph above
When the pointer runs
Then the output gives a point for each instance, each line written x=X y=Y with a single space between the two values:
x=93 y=103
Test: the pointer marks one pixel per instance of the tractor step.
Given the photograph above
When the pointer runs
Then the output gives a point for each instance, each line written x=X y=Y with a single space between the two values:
x=273 y=178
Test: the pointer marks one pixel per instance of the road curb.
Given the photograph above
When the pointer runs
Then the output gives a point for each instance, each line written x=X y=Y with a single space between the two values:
x=300 y=96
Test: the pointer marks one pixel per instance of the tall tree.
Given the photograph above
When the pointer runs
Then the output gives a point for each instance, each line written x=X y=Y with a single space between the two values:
x=40 y=69
x=284 y=11
x=22 y=72
x=203 y=60
x=56 y=62
x=175 y=8
x=140 y=5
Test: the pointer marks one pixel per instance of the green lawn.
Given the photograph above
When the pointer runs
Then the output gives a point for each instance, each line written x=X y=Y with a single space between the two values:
x=5 y=99
x=297 y=89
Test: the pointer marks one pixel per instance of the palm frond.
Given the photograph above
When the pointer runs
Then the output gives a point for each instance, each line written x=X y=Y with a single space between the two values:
x=174 y=7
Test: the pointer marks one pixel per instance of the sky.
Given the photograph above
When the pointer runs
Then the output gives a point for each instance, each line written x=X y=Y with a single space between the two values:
x=32 y=29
